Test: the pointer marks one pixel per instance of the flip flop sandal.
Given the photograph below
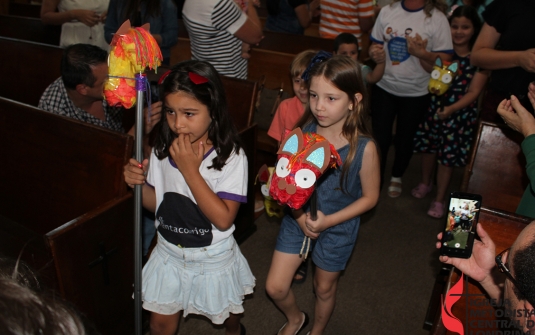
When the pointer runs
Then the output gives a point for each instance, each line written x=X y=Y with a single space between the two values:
x=301 y=271
x=421 y=190
x=394 y=191
x=303 y=325
x=436 y=210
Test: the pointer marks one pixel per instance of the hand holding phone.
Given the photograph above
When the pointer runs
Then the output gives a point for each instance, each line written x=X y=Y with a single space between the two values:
x=460 y=227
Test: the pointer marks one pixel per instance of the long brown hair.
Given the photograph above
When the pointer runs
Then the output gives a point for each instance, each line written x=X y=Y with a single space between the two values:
x=344 y=73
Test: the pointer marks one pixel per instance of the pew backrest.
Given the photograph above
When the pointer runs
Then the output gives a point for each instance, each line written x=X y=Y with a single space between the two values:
x=27 y=69
x=56 y=168
x=24 y=9
x=496 y=169
x=241 y=97
x=29 y=29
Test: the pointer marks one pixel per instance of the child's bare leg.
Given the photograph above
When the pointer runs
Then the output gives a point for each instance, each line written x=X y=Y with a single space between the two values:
x=164 y=324
x=325 y=285
x=279 y=280
x=443 y=180
x=428 y=165
x=232 y=324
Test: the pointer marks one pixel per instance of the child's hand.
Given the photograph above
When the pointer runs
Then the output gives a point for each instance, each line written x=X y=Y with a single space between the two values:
x=186 y=158
x=155 y=116
x=317 y=226
x=445 y=113
x=377 y=53
x=135 y=173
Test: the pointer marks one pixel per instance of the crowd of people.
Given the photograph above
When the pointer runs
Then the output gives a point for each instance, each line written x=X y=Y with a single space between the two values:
x=194 y=185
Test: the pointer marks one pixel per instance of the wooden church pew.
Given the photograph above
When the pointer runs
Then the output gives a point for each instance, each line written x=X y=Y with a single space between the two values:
x=241 y=95
x=29 y=29
x=27 y=69
x=24 y=9
x=497 y=167
x=476 y=317
x=65 y=209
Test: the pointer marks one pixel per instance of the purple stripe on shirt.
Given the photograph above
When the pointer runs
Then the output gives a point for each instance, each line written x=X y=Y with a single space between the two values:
x=173 y=164
x=233 y=197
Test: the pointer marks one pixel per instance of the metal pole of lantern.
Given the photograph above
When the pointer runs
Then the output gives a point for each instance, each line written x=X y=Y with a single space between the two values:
x=138 y=204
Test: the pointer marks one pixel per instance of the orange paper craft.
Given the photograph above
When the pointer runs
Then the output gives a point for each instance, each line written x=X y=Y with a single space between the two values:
x=132 y=51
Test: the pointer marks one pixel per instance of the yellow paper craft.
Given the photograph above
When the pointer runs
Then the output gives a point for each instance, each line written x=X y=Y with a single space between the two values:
x=132 y=51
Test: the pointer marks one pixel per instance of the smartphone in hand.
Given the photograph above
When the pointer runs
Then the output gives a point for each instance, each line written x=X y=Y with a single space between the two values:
x=460 y=225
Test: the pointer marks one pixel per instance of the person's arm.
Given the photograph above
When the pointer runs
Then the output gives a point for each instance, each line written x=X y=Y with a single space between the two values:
x=155 y=116
x=251 y=31
x=112 y=21
x=417 y=47
x=376 y=74
x=305 y=13
x=370 y=179
x=276 y=129
x=480 y=266
x=474 y=90
x=377 y=53
x=50 y=14
x=486 y=56
x=221 y=212
x=168 y=36
x=366 y=13
x=135 y=174
x=300 y=217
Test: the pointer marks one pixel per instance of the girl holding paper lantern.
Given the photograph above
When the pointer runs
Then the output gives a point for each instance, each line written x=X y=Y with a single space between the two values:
x=447 y=132
x=195 y=184
x=336 y=110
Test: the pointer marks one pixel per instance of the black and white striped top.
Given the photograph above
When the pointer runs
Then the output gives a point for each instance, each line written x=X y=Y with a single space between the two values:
x=211 y=26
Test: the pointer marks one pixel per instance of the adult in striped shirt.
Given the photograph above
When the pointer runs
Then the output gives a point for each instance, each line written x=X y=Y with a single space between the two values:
x=346 y=16
x=217 y=29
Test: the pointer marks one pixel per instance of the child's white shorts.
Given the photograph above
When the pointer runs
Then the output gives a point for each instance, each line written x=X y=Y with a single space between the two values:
x=209 y=281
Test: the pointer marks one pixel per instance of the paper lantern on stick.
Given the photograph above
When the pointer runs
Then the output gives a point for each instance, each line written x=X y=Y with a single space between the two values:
x=302 y=159
x=442 y=76
x=132 y=51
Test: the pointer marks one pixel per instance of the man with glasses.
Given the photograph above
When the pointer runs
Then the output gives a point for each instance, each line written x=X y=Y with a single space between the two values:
x=509 y=276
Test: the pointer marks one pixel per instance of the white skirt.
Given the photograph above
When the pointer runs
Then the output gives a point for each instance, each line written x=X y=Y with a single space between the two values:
x=209 y=281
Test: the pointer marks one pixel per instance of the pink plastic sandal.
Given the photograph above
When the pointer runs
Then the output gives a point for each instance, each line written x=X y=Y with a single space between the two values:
x=421 y=190
x=436 y=209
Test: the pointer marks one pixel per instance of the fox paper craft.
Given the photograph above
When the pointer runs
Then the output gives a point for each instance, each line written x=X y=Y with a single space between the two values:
x=302 y=159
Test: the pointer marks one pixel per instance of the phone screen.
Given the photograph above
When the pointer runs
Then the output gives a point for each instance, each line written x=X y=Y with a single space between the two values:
x=460 y=226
